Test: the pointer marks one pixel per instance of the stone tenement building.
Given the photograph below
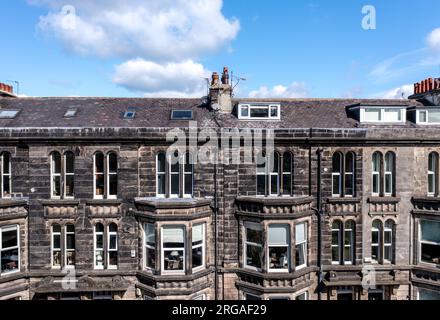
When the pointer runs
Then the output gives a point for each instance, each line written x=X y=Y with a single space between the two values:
x=92 y=207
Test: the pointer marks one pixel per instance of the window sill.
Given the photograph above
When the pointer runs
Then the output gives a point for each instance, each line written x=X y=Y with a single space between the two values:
x=60 y=202
x=385 y=199
x=97 y=202
x=10 y=202
x=336 y=200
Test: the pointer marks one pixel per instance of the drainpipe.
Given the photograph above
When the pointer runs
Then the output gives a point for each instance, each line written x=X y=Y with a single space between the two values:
x=215 y=233
x=319 y=212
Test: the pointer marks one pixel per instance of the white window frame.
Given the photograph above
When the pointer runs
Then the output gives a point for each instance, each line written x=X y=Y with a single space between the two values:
x=258 y=227
x=389 y=173
x=158 y=173
x=383 y=110
x=55 y=175
x=188 y=195
x=146 y=246
x=339 y=175
x=338 y=245
x=3 y=174
x=108 y=174
x=202 y=245
x=170 y=178
x=426 y=123
x=66 y=174
x=304 y=293
x=351 y=242
x=302 y=243
x=262 y=172
x=275 y=174
x=17 y=247
x=375 y=173
x=199 y=297
x=278 y=245
x=162 y=251
x=425 y=242
x=66 y=251
x=96 y=196
x=96 y=249
x=53 y=249
x=378 y=244
x=433 y=174
x=287 y=173
x=269 y=107
x=109 y=234
x=348 y=173
x=386 y=229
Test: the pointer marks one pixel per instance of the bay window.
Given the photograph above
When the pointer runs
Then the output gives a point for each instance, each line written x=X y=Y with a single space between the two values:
x=56 y=246
x=9 y=249
x=5 y=175
x=150 y=246
x=429 y=241
x=173 y=249
x=278 y=248
x=301 y=245
x=253 y=246
x=198 y=246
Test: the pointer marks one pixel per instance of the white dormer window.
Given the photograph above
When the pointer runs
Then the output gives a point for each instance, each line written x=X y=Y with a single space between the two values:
x=383 y=115
x=431 y=116
x=259 y=111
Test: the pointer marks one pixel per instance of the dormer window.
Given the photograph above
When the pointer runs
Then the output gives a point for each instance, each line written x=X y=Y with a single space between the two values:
x=383 y=115
x=431 y=116
x=259 y=111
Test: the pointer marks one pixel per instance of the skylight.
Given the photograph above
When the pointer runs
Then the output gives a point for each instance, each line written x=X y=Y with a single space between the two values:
x=8 y=114
x=70 y=113
x=129 y=114
x=181 y=115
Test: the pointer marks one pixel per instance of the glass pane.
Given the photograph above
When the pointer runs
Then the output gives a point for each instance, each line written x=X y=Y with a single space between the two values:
x=197 y=234
x=348 y=254
x=425 y=294
x=274 y=187
x=99 y=228
x=376 y=162
x=70 y=228
x=6 y=186
x=335 y=254
x=376 y=183
x=99 y=258
x=254 y=235
x=336 y=184
x=57 y=241
x=70 y=258
x=392 y=115
x=175 y=190
x=197 y=257
x=372 y=115
x=300 y=232
x=278 y=257
x=349 y=162
x=388 y=236
x=173 y=260
x=173 y=237
x=259 y=112
x=9 y=239
x=348 y=238
x=422 y=116
x=254 y=256
x=6 y=163
x=56 y=162
x=113 y=242
x=388 y=253
x=99 y=184
x=113 y=258
x=9 y=260
x=113 y=163
x=336 y=163
x=349 y=190
x=274 y=112
x=375 y=237
x=276 y=163
x=113 y=184
x=430 y=253
x=99 y=163
x=389 y=162
x=70 y=241
x=56 y=258
x=430 y=231
x=56 y=182
x=56 y=228
x=175 y=168
x=70 y=162
x=375 y=253
x=161 y=184
x=287 y=162
x=335 y=237
x=112 y=228
x=278 y=235
x=150 y=236
x=300 y=255
x=244 y=111
x=161 y=162
x=188 y=163
x=151 y=258
x=431 y=183
x=434 y=116
x=251 y=297
x=188 y=184
x=261 y=185
x=70 y=184
x=99 y=241
x=287 y=184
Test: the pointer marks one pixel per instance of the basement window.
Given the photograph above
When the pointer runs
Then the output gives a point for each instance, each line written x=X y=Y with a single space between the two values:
x=8 y=114
x=71 y=113
x=181 y=115
x=129 y=115
x=259 y=111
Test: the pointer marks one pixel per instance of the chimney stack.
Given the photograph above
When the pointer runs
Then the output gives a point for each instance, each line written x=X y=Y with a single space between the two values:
x=6 y=90
x=428 y=89
x=220 y=92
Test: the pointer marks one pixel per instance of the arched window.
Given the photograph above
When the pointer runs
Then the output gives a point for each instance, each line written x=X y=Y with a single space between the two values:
x=376 y=172
x=69 y=244
x=349 y=236
x=55 y=172
x=349 y=184
x=343 y=241
x=287 y=173
x=112 y=246
x=376 y=240
x=105 y=175
x=336 y=241
x=56 y=246
x=188 y=169
x=99 y=246
x=99 y=175
x=389 y=173
x=337 y=175
x=6 y=175
x=433 y=174
x=388 y=241
x=275 y=175
x=161 y=175
x=69 y=174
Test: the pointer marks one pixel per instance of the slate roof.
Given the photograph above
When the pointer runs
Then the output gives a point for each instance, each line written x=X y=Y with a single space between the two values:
x=156 y=113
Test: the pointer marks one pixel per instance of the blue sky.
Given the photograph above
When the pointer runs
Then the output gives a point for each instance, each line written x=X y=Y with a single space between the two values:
x=289 y=48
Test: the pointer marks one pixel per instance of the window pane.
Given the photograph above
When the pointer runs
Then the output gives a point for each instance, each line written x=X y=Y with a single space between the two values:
x=335 y=254
x=287 y=184
x=375 y=253
x=151 y=258
x=56 y=258
x=70 y=258
x=254 y=234
x=422 y=116
x=175 y=190
x=6 y=186
x=274 y=187
x=173 y=237
x=113 y=227
x=261 y=185
x=430 y=253
x=392 y=115
x=274 y=112
x=99 y=227
x=278 y=235
x=56 y=183
x=188 y=184
x=375 y=183
x=349 y=162
x=349 y=190
x=197 y=257
x=430 y=231
x=6 y=163
x=336 y=184
x=245 y=111
x=113 y=258
x=56 y=162
x=197 y=235
x=70 y=184
x=254 y=255
x=9 y=238
x=376 y=162
x=287 y=162
x=57 y=241
x=99 y=184
x=425 y=294
x=278 y=257
x=9 y=260
x=150 y=236
x=70 y=241
x=389 y=162
x=99 y=258
x=70 y=162
x=434 y=116
x=161 y=162
x=431 y=183
x=113 y=242
x=300 y=232
x=113 y=184
x=337 y=163
x=113 y=163
x=99 y=241
x=99 y=162
x=372 y=115
x=300 y=254
x=173 y=260
x=161 y=184
x=259 y=112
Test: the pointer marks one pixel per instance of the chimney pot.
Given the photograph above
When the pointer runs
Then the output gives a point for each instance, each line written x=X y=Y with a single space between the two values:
x=225 y=75
x=215 y=78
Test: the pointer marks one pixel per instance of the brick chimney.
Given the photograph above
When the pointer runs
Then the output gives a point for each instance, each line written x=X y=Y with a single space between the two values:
x=6 y=90
x=220 y=92
x=428 y=90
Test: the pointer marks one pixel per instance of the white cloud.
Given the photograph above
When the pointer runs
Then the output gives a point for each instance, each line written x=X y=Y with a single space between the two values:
x=397 y=93
x=184 y=79
x=294 y=90
x=167 y=30
x=433 y=40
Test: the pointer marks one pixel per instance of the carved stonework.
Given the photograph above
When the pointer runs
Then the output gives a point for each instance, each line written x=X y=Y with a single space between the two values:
x=426 y=205
x=58 y=209
x=383 y=205
x=290 y=206
x=341 y=206
x=104 y=208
